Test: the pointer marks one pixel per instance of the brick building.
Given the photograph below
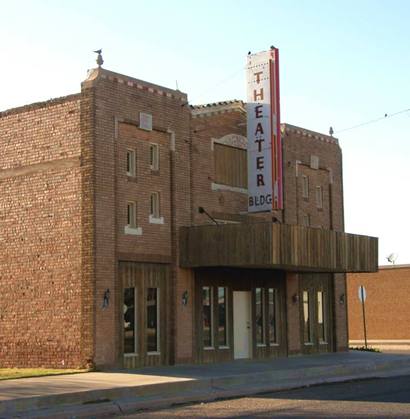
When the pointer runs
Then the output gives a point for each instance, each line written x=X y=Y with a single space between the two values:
x=106 y=259
x=387 y=308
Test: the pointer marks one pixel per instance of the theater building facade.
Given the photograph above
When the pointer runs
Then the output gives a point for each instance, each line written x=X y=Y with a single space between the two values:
x=126 y=239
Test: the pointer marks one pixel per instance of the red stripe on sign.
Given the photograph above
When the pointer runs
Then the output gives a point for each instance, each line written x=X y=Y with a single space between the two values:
x=278 y=132
x=277 y=202
x=272 y=102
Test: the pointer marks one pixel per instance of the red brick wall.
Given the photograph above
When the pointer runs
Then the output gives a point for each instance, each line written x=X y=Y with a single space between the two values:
x=155 y=238
x=121 y=98
x=387 y=304
x=298 y=147
x=40 y=223
x=292 y=313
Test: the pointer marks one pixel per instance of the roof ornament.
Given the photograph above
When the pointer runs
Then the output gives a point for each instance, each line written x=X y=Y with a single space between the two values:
x=331 y=132
x=99 y=60
x=392 y=258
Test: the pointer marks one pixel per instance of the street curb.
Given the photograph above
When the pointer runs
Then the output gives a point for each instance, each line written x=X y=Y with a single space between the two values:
x=117 y=401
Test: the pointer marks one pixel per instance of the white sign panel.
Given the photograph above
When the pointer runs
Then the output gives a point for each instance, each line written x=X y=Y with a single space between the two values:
x=264 y=134
x=259 y=133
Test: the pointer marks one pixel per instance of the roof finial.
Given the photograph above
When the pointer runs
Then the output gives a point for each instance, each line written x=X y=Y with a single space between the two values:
x=100 y=60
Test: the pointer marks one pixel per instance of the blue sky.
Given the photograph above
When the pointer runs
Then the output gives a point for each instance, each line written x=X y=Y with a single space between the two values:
x=342 y=63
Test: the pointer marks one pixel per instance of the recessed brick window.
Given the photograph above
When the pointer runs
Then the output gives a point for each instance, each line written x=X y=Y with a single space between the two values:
x=305 y=187
x=319 y=197
x=131 y=227
x=132 y=214
x=154 y=156
x=131 y=163
x=155 y=204
x=155 y=209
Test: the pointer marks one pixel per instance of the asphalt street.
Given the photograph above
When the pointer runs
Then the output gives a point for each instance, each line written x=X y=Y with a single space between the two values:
x=376 y=398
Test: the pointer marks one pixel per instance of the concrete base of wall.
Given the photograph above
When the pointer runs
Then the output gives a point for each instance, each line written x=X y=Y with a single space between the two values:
x=383 y=344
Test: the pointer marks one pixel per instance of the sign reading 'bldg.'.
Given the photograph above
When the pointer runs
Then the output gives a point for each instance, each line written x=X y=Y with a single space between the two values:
x=264 y=140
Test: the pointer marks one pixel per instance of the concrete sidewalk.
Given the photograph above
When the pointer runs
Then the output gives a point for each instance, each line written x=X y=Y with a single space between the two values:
x=119 y=392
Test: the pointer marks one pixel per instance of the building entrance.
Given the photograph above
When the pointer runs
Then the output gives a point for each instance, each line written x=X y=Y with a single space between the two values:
x=316 y=313
x=242 y=332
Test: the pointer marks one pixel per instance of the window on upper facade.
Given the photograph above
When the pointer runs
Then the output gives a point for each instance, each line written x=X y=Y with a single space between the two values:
x=131 y=163
x=132 y=214
x=154 y=156
x=319 y=197
x=305 y=186
x=230 y=166
x=154 y=205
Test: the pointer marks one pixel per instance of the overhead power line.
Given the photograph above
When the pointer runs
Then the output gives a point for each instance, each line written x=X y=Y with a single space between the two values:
x=218 y=84
x=372 y=121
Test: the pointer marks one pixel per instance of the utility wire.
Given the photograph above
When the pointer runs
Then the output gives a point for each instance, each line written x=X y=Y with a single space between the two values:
x=210 y=89
x=372 y=121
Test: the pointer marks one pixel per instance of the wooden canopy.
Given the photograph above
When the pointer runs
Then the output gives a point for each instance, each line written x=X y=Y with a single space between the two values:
x=280 y=246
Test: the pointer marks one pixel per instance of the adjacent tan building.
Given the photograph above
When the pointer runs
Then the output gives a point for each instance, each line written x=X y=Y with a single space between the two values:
x=126 y=239
x=387 y=308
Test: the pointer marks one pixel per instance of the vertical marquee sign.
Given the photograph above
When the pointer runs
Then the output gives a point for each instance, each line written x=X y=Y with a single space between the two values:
x=264 y=136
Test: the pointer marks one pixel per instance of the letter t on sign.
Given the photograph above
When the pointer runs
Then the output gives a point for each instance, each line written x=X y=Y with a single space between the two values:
x=258 y=76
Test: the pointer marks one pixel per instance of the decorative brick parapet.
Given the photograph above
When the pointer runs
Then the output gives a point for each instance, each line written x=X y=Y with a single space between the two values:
x=101 y=73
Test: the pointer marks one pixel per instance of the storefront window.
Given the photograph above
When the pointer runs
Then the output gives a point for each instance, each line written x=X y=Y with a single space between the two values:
x=307 y=330
x=272 y=302
x=222 y=317
x=153 y=320
x=129 y=321
x=207 y=305
x=260 y=310
x=321 y=317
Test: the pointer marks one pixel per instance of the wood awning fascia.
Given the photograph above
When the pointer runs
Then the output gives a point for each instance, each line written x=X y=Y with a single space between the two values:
x=277 y=246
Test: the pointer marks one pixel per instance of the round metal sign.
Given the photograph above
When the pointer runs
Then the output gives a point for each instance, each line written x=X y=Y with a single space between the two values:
x=362 y=293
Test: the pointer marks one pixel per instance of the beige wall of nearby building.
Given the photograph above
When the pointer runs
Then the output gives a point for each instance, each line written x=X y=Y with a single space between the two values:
x=386 y=305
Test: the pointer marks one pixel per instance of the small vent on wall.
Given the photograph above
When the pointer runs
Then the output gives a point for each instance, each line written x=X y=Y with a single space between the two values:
x=146 y=121
x=314 y=162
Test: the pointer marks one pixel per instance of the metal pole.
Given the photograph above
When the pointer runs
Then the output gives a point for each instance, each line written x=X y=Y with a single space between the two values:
x=364 y=317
